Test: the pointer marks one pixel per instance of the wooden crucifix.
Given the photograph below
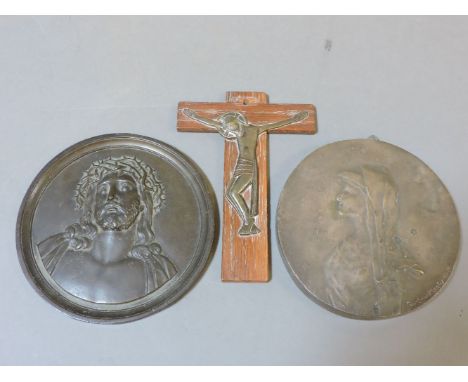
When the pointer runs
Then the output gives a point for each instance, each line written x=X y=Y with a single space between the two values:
x=245 y=120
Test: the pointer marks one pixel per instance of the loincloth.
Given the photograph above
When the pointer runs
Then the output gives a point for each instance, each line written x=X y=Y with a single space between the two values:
x=244 y=167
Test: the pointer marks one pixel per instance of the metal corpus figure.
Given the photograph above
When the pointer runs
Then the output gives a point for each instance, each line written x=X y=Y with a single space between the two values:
x=234 y=126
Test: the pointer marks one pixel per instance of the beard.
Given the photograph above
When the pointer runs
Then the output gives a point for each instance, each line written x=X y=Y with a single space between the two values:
x=114 y=217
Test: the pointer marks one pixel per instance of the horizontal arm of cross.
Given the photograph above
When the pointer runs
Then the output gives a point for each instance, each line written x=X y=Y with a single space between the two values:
x=257 y=114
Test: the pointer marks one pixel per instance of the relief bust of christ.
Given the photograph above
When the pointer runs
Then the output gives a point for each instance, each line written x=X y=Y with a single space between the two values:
x=111 y=254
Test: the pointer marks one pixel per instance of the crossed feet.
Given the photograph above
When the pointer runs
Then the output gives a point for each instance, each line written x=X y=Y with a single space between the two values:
x=249 y=228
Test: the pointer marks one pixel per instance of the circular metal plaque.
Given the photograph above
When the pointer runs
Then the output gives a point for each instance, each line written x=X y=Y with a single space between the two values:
x=367 y=230
x=116 y=227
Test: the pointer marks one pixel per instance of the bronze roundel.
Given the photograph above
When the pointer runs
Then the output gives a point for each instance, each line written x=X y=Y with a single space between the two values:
x=367 y=230
x=116 y=227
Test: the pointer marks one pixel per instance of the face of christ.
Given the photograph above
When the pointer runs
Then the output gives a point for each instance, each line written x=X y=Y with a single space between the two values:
x=117 y=202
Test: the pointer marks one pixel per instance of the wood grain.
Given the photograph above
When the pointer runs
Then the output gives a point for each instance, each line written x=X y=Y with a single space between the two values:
x=247 y=258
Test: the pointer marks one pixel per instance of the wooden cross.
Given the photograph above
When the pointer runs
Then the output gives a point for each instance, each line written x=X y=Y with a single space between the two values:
x=244 y=120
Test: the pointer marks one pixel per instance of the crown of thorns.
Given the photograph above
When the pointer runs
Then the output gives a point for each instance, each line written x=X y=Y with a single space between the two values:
x=233 y=114
x=143 y=174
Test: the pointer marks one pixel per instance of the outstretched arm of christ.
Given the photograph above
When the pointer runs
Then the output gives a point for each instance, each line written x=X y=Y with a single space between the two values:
x=275 y=125
x=207 y=122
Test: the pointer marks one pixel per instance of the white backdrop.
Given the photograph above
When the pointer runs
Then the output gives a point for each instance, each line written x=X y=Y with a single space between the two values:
x=64 y=79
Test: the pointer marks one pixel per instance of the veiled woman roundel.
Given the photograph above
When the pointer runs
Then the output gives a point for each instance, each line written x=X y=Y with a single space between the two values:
x=116 y=227
x=367 y=229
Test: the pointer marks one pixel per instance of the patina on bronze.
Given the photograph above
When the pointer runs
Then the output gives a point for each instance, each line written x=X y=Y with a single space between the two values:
x=367 y=230
x=116 y=227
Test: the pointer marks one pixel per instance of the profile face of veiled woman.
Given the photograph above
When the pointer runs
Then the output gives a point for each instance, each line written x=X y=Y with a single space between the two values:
x=350 y=201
